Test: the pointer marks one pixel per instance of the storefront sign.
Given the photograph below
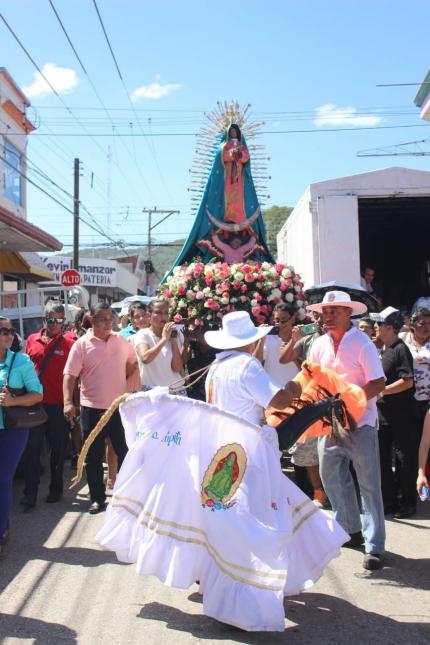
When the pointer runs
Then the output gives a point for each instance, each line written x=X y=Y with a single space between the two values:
x=94 y=272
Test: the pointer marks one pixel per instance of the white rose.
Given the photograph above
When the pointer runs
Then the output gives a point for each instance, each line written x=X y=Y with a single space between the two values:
x=207 y=291
x=254 y=303
x=266 y=266
x=181 y=304
x=299 y=303
x=301 y=313
x=190 y=295
x=286 y=273
x=273 y=271
x=225 y=301
x=238 y=276
x=289 y=297
x=276 y=293
x=297 y=289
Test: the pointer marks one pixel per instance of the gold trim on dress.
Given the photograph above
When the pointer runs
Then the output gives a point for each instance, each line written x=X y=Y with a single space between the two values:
x=211 y=551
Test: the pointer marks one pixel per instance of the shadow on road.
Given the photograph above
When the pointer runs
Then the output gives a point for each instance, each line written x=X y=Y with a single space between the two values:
x=316 y=617
x=38 y=632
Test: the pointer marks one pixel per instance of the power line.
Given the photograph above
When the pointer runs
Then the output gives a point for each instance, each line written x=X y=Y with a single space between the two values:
x=58 y=96
x=193 y=134
x=153 y=153
x=94 y=87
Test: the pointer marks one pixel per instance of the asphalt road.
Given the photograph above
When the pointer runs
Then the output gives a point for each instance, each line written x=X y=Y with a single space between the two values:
x=57 y=586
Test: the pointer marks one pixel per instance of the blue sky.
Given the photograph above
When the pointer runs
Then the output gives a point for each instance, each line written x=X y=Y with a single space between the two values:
x=288 y=59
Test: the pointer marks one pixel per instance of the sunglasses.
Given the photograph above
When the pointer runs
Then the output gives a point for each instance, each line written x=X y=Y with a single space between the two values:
x=5 y=331
x=58 y=321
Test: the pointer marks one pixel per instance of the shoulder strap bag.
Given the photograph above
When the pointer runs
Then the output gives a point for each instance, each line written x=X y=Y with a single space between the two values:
x=22 y=416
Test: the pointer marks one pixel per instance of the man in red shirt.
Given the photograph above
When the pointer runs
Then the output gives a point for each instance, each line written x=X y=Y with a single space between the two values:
x=49 y=350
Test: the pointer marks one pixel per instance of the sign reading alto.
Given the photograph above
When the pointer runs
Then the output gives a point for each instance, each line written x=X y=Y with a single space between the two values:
x=70 y=278
x=94 y=272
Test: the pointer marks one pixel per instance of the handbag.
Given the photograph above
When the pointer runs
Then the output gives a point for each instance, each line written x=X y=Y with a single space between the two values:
x=26 y=416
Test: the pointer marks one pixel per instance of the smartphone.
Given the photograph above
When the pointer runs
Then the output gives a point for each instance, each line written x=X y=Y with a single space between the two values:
x=174 y=333
x=307 y=330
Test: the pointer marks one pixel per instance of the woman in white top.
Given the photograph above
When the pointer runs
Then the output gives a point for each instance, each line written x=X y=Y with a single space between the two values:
x=159 y=350
x=418 y=341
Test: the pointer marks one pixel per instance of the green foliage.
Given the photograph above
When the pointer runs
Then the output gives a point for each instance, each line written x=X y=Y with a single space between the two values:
x=274 y=219
x=162 y=256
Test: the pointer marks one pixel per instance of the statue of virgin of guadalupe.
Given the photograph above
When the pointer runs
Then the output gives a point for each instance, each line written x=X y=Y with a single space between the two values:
x=229 y=204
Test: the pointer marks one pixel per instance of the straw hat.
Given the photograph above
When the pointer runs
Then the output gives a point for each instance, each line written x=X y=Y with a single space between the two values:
x=237 y=330
x=339 y=299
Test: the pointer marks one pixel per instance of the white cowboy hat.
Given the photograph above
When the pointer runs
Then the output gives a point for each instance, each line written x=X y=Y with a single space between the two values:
x=237 y=330
x=338 y=299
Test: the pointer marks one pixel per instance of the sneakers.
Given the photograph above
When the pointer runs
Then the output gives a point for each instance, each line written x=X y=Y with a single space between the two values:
x=355 y=541
x=97 y=507
x=372 y=562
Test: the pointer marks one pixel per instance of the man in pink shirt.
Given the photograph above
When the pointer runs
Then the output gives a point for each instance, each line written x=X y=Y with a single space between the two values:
x=353 y=356
x=102 y=360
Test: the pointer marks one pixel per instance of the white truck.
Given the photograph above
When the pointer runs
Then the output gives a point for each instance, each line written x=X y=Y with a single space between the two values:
x=379 y=219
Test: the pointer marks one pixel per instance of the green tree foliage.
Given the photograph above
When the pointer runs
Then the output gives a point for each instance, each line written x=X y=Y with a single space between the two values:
x=274 y=219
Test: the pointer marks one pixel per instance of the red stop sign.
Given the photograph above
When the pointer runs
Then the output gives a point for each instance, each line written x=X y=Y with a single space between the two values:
x=70 y=278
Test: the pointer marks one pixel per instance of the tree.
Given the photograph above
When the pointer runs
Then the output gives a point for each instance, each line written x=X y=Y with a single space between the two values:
x=274 y=219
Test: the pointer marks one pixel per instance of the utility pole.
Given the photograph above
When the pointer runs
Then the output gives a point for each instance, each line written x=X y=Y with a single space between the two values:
x=155 y=211
x=76 y=216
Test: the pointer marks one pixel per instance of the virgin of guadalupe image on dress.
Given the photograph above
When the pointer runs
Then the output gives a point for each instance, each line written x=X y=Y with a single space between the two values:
x=229 y=225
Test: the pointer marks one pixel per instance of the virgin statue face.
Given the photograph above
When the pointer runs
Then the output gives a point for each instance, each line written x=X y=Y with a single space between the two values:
x=233 y=133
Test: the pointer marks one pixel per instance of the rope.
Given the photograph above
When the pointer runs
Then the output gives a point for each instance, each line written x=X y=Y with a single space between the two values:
x=94 y=434
x=104 y=419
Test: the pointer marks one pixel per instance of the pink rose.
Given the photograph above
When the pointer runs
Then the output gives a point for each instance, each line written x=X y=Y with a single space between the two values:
x=167 y=293
x=249 y=277
x=208 y=280
x=181 y=291
x=200 y=295
x=258 y=297
x=261 y=320
x=236 y=285
x=256 y=310
x=244 y=288
x=246 y=268
x=244 y=299
x=177 y=318
x=279 y=267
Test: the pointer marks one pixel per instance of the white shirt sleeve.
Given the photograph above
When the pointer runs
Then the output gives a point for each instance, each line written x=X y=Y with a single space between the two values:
x=141 y=337
x=258 y=384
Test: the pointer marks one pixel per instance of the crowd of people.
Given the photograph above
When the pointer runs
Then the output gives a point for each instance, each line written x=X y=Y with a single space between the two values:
x=78 y=373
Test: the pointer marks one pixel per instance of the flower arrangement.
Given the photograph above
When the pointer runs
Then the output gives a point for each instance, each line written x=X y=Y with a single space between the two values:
x=200 y=294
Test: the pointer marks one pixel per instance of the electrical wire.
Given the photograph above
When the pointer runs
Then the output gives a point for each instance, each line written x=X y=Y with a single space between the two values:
x=152 y=151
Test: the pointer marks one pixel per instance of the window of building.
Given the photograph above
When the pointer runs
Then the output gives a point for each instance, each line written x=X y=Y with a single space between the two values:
x=11 y=173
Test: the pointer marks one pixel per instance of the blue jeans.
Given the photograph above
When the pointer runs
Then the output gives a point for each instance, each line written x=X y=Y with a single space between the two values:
x=12 y=444
x=362 y=448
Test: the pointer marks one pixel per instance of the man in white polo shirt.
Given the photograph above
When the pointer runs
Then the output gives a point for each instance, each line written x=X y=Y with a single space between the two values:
x=352 y=355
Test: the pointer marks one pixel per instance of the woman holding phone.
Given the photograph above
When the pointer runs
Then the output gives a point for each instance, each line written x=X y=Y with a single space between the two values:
x=159 y=350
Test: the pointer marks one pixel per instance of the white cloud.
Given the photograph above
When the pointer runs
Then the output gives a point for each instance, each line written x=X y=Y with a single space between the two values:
x=62 y=79
x=154 y=91
x=330 y=114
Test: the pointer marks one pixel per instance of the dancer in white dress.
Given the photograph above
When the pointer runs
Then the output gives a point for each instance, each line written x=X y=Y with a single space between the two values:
x=201 y=495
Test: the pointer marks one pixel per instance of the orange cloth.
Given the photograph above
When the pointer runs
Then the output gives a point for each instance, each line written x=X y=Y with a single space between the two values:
x=311 y=378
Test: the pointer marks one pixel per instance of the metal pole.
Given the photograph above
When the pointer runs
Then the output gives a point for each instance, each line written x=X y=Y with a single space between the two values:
x=76 y=216
x=149 y=233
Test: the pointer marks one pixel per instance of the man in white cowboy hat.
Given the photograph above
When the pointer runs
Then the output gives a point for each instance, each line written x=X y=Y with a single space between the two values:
x=237 y=382
x=352 y=355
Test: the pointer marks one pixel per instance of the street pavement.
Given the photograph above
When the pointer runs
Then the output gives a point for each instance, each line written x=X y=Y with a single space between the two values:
x=58 y=587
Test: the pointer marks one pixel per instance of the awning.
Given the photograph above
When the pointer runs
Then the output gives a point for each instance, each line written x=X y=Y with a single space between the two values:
x=16 y=234
x=27 y=266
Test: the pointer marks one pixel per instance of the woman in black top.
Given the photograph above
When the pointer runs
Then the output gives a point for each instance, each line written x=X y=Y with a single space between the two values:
x=398 y=417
